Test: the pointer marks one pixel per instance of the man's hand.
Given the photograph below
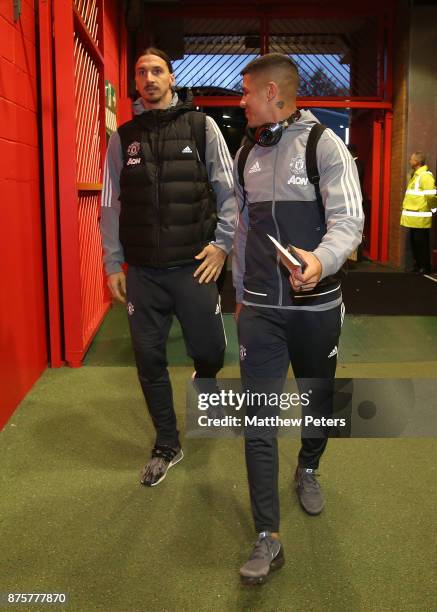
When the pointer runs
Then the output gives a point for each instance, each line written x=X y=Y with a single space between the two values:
x=212 y=264
x=117 y=286
x=309 y=279
x=238 y=308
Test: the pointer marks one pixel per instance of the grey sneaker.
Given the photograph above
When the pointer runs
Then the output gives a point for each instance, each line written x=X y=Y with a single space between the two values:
x=163 y=458
x=309 y=491
x=267 y=555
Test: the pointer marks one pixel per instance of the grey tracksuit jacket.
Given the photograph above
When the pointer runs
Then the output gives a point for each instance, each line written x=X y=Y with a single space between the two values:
x=280 y=201
x=219 y=168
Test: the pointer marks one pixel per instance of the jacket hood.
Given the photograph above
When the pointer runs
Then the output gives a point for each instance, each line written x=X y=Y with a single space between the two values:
x=307 y=119
x=182 y=101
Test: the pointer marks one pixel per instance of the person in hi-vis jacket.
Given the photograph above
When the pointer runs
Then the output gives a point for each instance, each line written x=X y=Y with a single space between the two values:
x=419 y=203
x=288 y=318
x=168 y=211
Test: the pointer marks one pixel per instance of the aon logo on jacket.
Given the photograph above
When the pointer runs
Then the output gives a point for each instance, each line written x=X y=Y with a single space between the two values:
x=297 y=180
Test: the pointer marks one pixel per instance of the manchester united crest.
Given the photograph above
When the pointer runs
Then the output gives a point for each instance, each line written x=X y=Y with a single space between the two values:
x=297 y=164
x=133 y=149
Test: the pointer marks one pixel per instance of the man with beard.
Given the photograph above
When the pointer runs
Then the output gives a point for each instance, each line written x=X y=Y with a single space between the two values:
x=168 y=211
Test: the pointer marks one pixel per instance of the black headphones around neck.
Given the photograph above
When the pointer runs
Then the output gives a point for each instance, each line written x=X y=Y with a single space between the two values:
x=270 y=134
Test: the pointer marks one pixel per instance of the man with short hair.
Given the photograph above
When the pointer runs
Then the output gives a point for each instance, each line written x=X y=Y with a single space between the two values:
x=417 y=208
x=288 y=317
x=168 y=211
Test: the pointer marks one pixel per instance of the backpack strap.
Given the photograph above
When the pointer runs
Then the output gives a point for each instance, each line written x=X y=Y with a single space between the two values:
x=314 y=178
x=242 y=159
x=311 y=161
x=198 y=127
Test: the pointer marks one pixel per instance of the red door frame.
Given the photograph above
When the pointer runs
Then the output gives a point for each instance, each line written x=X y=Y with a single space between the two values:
x=386 y=181
x=66 y=154
x=66 y=21
x=381 y=154
x=48 y=137
x=376 y=189
x=381 y=157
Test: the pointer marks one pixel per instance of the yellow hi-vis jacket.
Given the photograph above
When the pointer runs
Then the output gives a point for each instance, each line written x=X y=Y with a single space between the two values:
x=420 y=200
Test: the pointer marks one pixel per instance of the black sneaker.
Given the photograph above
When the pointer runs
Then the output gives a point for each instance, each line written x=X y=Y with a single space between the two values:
x=309 y=491
x=163 y=458
x=208 y=386
x=267 y=555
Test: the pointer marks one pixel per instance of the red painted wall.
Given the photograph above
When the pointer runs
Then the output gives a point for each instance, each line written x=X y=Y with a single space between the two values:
x=23 y=342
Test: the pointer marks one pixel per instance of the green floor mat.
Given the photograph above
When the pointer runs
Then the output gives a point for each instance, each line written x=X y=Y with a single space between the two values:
x=75 y=519
x=364 y=339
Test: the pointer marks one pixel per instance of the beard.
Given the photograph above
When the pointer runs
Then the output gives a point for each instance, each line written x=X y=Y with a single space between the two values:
x=156 y=96
x=153 y=94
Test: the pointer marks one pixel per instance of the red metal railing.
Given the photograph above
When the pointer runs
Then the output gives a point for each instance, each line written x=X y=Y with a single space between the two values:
x=88 y=10
x=344 y=52
x=336 y=56
x=93 y=295
x=216 y=50
x=87 y=116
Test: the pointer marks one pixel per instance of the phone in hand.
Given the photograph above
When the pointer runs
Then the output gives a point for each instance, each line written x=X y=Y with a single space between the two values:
x=289 y=256
x=295 y=254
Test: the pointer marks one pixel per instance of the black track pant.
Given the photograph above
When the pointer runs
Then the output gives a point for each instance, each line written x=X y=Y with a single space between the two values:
x=419 y=240
x=153 y=296
x=271 y=338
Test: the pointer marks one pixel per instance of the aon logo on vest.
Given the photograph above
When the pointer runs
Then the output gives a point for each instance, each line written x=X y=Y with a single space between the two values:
x=297 y=180
x=133 y=161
